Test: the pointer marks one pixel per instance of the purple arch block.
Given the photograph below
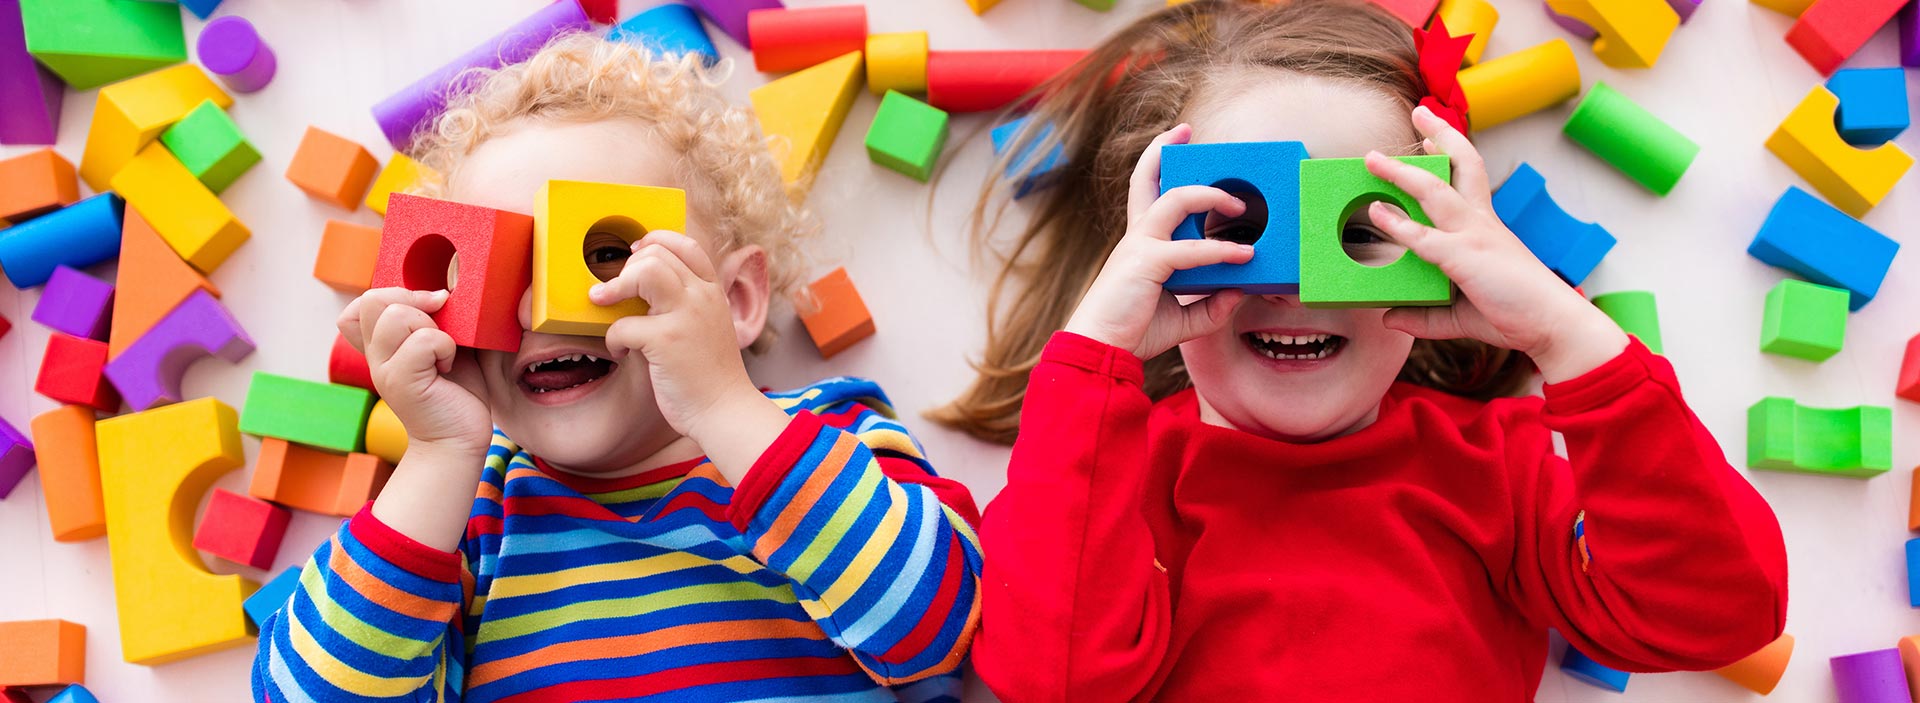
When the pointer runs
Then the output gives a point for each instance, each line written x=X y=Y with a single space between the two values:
x=148 y=373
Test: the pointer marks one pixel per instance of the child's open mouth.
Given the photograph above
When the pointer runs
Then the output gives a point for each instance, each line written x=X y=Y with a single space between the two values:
x=1289 y=347
x=566 y=372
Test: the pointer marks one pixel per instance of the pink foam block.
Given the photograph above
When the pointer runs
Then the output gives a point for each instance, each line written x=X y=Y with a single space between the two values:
x=75 y=303
x=231 y=48
x=16 y=457
x=30 y=93
x=148 y=373
x=731 y=15
x=416 y=105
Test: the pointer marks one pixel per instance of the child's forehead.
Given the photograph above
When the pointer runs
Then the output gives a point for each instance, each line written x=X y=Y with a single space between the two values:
x=1335 y=118
x=506 y=171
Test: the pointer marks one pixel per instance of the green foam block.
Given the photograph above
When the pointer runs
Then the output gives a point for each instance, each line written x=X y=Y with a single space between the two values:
x=211 y=146
x=1635 y=313
x=1625 y=135
x=1804 y=320
x=1331 y=192
x=1783 y=435
x=90 y=43
x=907 y=135
x=324 y=415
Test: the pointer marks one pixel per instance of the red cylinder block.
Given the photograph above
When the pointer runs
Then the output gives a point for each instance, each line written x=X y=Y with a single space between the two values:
x=790 y=40
x=979 y=81
x=347 y=366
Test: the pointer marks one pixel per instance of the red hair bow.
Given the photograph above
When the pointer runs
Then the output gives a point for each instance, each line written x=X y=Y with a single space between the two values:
x=1440 y=57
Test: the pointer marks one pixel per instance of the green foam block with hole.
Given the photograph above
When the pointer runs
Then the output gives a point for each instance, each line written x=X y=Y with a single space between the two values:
x=1804 y=320
x=327 y=415
x=1331 y=192
x=1783 y=435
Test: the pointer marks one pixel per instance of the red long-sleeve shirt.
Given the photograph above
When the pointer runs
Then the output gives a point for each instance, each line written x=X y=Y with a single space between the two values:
x=1139 y=554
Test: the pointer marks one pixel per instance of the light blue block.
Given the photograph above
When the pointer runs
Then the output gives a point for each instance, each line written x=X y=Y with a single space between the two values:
x=1805 y=235
x=1913 y=572
x=1568 y=247
x=271 y=596
x=1578 y=666
x=668 y=29
x=73 y=693
x=79 y=235
x=1270 y=168
x=1873 y=104
x=1043 y=173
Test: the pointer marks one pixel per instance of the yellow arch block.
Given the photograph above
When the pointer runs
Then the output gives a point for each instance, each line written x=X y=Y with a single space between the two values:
x=1520 y=83
x=1632 y=32
x=805 y=110
x=129 y=115
x=1475 y=17
x=564 y=212
x=191 y=218
x=1854 y=179
x=897 y=61
x=154 y=466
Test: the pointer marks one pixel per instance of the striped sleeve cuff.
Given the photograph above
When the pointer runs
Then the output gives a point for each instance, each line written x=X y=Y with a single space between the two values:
x=403 y=551
x=771 y=469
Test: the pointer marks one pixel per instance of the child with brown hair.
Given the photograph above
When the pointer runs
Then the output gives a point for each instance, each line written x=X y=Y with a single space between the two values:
x=629 y=517
x=1340 y=507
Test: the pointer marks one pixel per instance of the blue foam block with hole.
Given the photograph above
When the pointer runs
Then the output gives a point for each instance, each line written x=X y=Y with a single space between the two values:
x=672 y=28
x=1569 y=247
x=1805 y=235
x=1873 y=104
x=78 y=235
x=1270 y=168
x=1591 y=672
x=271 y=596
x=1043 y=172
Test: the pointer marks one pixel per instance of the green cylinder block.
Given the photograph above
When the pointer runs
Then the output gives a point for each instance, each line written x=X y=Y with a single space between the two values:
x=1634 y=312
x=1625 y=135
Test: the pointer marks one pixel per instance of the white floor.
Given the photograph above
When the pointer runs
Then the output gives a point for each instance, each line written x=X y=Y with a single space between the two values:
x=1726 y=80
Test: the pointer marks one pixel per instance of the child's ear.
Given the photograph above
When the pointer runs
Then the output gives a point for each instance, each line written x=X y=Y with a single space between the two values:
x=744 y=272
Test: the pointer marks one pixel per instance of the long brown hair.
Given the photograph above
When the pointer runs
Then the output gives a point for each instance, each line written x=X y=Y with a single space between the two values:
x=1104 y=111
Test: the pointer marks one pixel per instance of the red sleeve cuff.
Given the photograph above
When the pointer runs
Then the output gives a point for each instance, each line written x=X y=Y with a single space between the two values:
x=1635 y=365
x=771 y=469
x=1091 y=355
x=403 y=551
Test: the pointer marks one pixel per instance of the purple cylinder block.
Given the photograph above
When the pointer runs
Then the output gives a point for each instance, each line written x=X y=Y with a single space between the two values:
x=230 y=48
x=418 y=104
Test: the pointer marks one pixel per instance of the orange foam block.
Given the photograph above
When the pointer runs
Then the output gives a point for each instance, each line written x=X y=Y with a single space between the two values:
x=332 y=168
x=316 y=481
x=347 y=254
x=154 y=280
x=1913 y=500
x=833 y=313
x=36 y=183
x=69 y=464
x=1761 y=670
x=42 y=653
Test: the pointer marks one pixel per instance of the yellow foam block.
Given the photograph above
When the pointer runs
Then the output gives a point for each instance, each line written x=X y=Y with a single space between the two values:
x=386 y=437
x=400 y=175
x=191 y=218
x=1520 y=83
x=129 y=115
x=1475 y=17
x=1632 y=32
x=1790 y=8
x=805 y=110
x=564 y=212
x=154 y=466
x=981 y=6
x=897 y=61
x=1854 y=179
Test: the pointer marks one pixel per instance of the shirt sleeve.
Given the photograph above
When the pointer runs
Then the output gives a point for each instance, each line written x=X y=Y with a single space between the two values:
x=881 y=552
x=1645 y=548
x=1080 y=607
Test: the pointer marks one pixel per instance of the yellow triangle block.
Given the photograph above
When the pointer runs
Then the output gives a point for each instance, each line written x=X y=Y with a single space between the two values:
x=805 y=110
x=1853 y=179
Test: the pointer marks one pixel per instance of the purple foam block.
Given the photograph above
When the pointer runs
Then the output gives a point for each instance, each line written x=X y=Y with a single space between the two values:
x=75 y=303
x=1685 y=8
x=30 y=93
x=16 y=457
x=1910 y=35
x=1578 y=28
x=232 y=50
x=731 y=15
x=418 y=104
x=1871 y=677
x=148 y=373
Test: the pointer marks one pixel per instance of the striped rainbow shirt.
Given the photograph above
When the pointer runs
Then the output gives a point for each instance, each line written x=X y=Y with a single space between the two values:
x=841 y=569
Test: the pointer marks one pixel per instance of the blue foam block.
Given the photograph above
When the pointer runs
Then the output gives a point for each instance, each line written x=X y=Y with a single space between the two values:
x=73 y=693
x=1805 y=235
x=1272 y=169
x=271 y=596
x=668 y=29
x=1873 y=104
x=1913 y=572
x=1577 y=665
x=79 y=235
x=1043 y=173
x=1567 y=246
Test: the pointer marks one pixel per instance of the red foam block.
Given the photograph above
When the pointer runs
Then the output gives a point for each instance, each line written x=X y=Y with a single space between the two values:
x=1829 y=31
x=495 y=247
x=1909 y=385
x=242 y=529
x=790 y=40
x=347 y=366
x=74 y=372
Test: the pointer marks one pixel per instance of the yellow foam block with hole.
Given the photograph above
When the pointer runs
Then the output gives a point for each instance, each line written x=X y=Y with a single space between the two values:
x=1853 y=179
x=154 y=466
x=386 y=437
x=1521 y=83
x=1475 y=17
x=897 y=61
x=191 y=218
x=400 y=176
x=564 y=212
x=1632 y=33
x=129 y=115
x=805 y=110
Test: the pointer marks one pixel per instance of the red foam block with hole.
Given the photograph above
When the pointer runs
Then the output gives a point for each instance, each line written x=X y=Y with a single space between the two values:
x=495 y=247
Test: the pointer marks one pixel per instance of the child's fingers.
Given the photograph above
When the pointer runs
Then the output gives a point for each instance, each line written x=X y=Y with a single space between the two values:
x=1426 y=323
x=1442 y=203
x=353 y=324
x=684 y=247
x=392 y=326
x=1144 y=188
x=651 y=274
x=1426 y=242
x=1167 y=211
x=1469 y=169
x=629 y=334
x=423 y=350
x=1194 y=253
x=1203 y=317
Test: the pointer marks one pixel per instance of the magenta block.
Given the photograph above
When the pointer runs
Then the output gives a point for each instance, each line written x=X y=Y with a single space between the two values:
x=1871 y=677
x=16 y=457
x=1578 y=28
x=1685 y=8
x=148 y=373
x=75 y=303
x=731 y=15
x=1909 y=35
x=416 y=105
x=231 y=49
x=29 y=94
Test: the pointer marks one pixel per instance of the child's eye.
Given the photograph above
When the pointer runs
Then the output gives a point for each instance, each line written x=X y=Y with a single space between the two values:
x=1360 y=235
x=1236 y=231
x=606 y=254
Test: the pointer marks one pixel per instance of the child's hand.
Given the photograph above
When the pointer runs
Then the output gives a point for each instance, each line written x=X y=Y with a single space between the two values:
x=1510 y=299
x=419 y=371
x=1128 y=305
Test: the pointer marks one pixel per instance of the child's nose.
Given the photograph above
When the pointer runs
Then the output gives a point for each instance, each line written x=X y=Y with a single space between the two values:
x=1288 y=300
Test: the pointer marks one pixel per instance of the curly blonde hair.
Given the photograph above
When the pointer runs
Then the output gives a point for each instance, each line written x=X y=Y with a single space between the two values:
x=735 y=189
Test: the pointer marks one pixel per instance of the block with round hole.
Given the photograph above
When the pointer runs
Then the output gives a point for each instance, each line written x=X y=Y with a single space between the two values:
x=421 y=239
x=1261 y=173
x=568 y=216
x=1333 y=192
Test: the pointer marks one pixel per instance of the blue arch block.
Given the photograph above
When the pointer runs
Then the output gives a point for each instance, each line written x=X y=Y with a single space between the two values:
x=1569 y=247
x=1577 y=665
x=1272 y=169
x=668 y=29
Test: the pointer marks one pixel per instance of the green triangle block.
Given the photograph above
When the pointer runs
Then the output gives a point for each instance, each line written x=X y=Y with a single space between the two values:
x=211 y=146
x=90 y=43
